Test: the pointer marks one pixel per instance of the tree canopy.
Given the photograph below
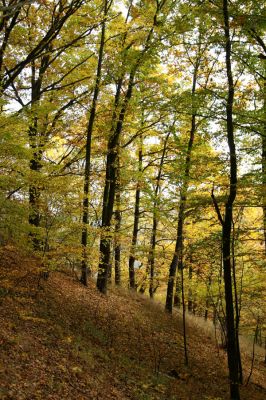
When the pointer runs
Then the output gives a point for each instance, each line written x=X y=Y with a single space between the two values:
x=133 y=149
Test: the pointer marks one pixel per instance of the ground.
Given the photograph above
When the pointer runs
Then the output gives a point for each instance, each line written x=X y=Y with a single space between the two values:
x=60 y=340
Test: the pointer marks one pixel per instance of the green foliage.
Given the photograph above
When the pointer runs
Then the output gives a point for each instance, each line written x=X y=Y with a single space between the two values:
x=186 y=38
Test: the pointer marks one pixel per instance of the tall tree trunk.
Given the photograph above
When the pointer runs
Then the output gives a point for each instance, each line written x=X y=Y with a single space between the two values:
x=36 y=143
x=132 y=283
x=109 y=187
x=156 y=204
x=190 y=292
x=118 y=219
x=237 y=307
x=183 y=200
x=85 y=210
x=111 y=162
x=34 y=187
x=151 y=258
x=178 y=290
x=181 y=268
x=232 y=353
x=263 y=156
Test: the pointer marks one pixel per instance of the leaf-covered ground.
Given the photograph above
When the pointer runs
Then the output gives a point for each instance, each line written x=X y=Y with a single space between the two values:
x=59 y=340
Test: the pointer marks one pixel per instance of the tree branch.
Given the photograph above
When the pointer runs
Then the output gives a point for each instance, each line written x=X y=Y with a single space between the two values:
x=217 y=209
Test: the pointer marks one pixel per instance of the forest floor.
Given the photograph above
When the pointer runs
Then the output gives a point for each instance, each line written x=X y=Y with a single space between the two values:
x=62 y=341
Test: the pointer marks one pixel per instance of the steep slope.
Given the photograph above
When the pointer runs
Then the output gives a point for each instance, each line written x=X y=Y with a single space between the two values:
x=60 y=340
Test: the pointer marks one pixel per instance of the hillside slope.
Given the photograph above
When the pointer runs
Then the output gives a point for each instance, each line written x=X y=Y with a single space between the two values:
x=59 y=341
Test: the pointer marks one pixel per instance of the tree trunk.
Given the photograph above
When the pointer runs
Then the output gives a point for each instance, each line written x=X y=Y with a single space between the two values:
x=85 y=210
x=108 y=204
x=232 y=353
x=178 y=291
x=190 y=292
x=36 y=143
x=181 y=268
x=183 y=200
x=207 y=302
x=263 y=156
x=109 y=187
x=111 y=163
x=237 y=307
x=118 y=218
x=156 y=204
x=132 y=283
x=151 y=258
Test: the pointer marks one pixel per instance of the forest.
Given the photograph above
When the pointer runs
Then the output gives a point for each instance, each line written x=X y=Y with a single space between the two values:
x=133 y=158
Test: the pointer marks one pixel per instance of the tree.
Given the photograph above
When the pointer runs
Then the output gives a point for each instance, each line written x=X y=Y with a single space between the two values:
x=132 y=256
x=96 y=90
x=60 y=13
x=120 y=109
x=150 y=270
x=227 y=221
x=177 y=260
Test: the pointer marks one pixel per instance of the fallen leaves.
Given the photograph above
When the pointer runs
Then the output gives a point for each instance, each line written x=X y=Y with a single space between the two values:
x=68 y=342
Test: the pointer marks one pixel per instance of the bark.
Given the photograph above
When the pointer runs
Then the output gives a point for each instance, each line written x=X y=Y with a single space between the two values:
x=111 y=164
x=118 y=219
x=263 y=157
x=156 y=205
x=108 y=203
x=109 y=188
x=178 y=289
x=232 y=353
x=151 y=258
x=110 y=172
x=132 y=283
x=182 y=206
x=85 y=271
x=184 y=316
x=34 y=188
x=207 y=302
x=190 y=293
x=237 y=307
x=36 y=141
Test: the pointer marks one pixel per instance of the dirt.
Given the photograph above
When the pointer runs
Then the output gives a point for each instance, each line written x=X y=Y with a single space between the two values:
x=60 y=340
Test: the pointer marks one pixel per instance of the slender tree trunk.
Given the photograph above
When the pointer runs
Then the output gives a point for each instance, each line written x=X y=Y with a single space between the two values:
x=237 y=308
x=207 y=303
x=151 y=258
x=85 y=210
x=132 y=283
x=109 y=189
x=34 y=188
x=118 y=218
x=181 y=268
x=108 y=195
x=232 y=353
x=36 y=143
x=118 y=254
x=190 y=292
x=156 y=204
x=263 y=156
x=105 y=242
x=111 y=164
x=183 y=200
x=177 y=301
x=175 y=260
